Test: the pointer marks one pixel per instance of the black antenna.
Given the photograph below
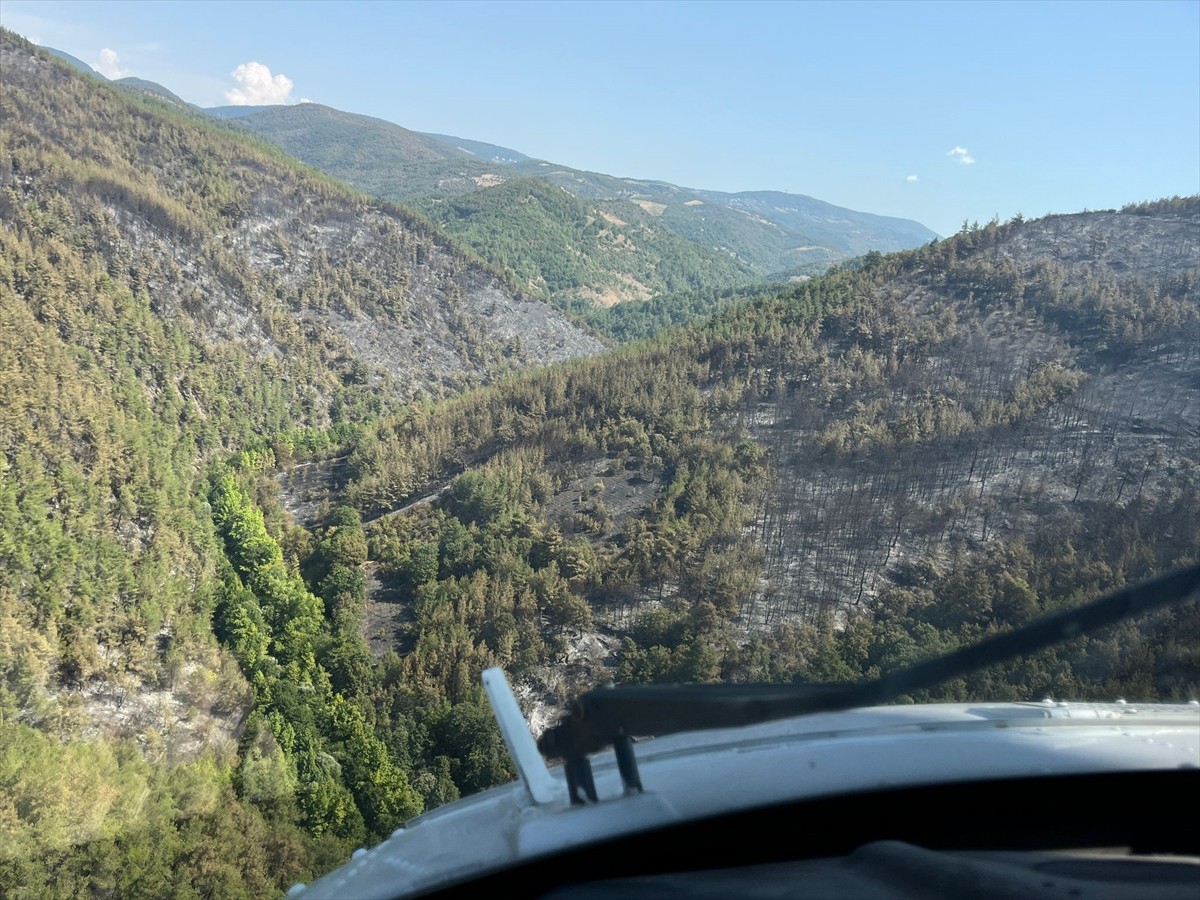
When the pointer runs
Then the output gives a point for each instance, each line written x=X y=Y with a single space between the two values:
x=613 y=715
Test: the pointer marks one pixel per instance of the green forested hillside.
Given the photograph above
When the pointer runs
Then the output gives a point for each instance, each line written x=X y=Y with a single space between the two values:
x=177 y=306
x=772 y=232
x=602 y=239
x=881 y=463
x=554 y=244
x=361 y=150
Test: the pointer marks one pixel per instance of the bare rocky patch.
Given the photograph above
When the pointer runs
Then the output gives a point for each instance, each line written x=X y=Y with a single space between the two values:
x=544 y=691
x=598 y=501
x=387 y=616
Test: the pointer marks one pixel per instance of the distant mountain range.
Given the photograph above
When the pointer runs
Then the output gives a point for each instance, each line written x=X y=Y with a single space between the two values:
x=129 y=83
x=771 y=232
x=141 y=85
x=74 y=61
x=480 y=150
x=670 y=238
x=604 y=240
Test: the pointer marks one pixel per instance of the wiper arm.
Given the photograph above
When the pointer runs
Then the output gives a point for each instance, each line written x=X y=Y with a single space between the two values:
x=614 y=715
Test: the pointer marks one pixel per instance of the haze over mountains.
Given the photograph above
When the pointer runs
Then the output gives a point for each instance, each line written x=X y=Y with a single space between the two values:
x=283 y=468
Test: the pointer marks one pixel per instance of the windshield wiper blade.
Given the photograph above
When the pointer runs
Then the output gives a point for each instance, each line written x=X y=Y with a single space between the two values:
x=612 y=716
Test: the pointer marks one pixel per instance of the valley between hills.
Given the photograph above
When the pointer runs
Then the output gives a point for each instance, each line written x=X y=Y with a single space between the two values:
x=285 y=464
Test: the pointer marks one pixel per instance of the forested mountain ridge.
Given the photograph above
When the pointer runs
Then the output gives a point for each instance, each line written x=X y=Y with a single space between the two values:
x=559 y=246
x=606 y=240
x=436 y=314
x=609 y=240
x=74 y=61
x=841 y=232
x=128 y=83
x=703 y=240
x=481 y=150
x=328 y=139
x=173 y=296
x=772 y=231
x=550 y=242
x=887 y=459
x=1058 y=375
x=132 y=84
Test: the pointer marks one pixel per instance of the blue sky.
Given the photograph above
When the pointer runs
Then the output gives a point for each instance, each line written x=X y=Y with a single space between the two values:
x=938 y=112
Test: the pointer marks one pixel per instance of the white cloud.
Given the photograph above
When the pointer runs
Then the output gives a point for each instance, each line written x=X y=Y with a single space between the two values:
x=258 y=86
x=912 y=178
x=110 y=64
x=962 y=156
